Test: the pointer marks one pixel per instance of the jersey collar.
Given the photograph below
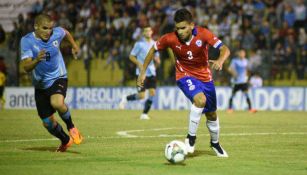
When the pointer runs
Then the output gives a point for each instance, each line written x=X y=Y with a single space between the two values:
x=194 y=33
x=37 y=38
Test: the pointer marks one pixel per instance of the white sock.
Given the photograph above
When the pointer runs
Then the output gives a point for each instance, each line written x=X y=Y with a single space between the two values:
x=195 y=115
x=214 y=130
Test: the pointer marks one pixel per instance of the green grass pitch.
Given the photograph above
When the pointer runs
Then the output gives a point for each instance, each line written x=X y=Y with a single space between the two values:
x=117 y=142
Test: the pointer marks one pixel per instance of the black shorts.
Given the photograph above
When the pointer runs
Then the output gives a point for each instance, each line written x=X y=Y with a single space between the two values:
x=240 y=87
x=42 y=97
x=149 y=82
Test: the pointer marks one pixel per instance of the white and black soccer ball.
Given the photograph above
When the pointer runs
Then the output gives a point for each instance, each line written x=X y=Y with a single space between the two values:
x=175 y=151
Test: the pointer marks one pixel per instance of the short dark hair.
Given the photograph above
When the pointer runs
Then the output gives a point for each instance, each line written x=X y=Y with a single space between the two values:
x=42 y=17
x=182 y=15
x=146 y=26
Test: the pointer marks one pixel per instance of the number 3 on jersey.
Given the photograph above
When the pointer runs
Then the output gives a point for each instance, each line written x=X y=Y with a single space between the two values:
x=190 y=55
x=190 y=84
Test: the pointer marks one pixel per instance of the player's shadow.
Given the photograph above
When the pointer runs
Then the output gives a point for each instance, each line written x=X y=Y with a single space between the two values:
x=48 y=149
x=174 y=164
x=198 y=153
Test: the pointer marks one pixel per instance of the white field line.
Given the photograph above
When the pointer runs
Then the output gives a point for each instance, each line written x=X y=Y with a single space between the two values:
x=128 y=134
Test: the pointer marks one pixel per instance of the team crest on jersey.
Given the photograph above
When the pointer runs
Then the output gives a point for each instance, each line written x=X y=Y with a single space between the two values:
x=199 y=43
x=55 y=43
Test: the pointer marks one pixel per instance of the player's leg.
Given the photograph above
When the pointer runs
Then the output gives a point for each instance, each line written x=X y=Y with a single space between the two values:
x=196 y=110
x=58 y=94
x=56 y=130
x=147 y=105
x=150 y=84
x=191 y=87
x=57 y=102
x=213 y=126
x=132 y=97
x=233 y=93
x=248 y=101
x=45 y=111
x=212 y=122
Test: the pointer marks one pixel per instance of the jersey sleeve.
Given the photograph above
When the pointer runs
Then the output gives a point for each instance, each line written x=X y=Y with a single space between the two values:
x=232 y=64
x=60 y=31
x=162 y=43
x=212 y=39
x=25 y=49
x=135 y=50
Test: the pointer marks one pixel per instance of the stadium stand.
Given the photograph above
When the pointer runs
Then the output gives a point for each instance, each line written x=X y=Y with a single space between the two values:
x=10 y=9
x=273 y=33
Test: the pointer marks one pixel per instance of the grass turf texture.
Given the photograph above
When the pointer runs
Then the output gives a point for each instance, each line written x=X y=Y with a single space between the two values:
x=261 y=143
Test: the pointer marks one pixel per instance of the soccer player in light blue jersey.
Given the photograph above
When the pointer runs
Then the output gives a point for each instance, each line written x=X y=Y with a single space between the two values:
x=239 y=72
x=137 y=56
x=41 y=55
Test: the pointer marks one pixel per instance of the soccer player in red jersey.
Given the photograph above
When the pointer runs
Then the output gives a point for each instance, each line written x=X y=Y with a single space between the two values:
x=190 y=45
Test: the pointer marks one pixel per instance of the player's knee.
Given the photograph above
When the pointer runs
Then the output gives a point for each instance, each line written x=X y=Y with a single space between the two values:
x=211 y=116
x=57 y=104
x=141 y=96
x=200 y=101
x=152 y=93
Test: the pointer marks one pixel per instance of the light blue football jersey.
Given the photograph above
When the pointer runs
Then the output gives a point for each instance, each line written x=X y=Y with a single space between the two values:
x=53 y=66
x=240 y=67
x=140 y=50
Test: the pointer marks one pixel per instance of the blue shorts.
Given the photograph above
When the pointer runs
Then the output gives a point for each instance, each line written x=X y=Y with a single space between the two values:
x=191 y=86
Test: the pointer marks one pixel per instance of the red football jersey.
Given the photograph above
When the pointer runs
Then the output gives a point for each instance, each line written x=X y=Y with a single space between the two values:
x=192 y=56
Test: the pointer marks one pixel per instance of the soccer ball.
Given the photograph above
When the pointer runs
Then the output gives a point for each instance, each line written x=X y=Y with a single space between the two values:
x=175 y=151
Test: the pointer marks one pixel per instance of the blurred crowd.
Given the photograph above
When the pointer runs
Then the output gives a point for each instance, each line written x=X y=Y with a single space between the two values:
x=272 y=31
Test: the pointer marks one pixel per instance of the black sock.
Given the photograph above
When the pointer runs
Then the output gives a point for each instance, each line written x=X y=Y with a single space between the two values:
x=192 y=139
x=58 y=132
x=132 y=97
x=66 y=117
x=147 y=106
x=230 y=103
x=249 y=103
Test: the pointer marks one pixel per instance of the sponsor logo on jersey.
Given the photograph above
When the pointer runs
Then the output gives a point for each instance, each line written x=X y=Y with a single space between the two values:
x=199 y=43
x=179 y=47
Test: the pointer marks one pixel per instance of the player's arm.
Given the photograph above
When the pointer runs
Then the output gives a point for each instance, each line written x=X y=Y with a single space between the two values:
x=171 y=55
x=75 y=48
x=28 y=60
x=28 y=64
x=216 y=43
x=134 y=60
x=148 y=59
x=232 y=71
x=157 y=60
x=224 y=54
